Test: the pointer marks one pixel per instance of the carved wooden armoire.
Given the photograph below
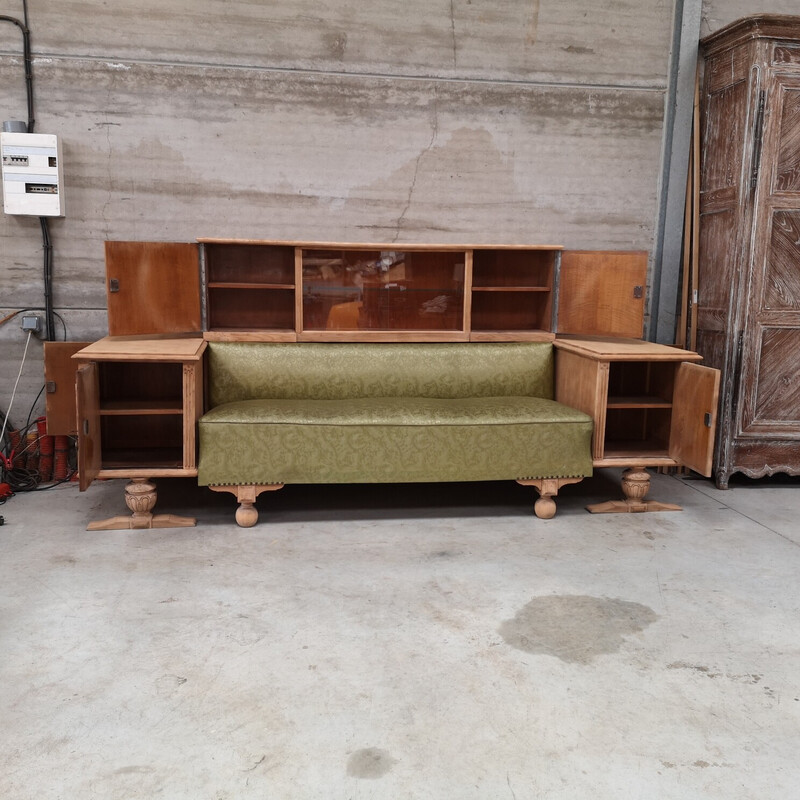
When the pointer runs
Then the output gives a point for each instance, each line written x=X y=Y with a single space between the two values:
x=748 y=303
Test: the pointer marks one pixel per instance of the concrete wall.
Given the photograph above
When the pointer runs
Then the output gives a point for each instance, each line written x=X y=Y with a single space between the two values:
x=531 y=121
x=718 y=13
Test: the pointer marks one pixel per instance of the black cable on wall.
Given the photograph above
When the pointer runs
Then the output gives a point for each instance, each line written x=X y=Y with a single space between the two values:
x=47 y=245
x=27 y=58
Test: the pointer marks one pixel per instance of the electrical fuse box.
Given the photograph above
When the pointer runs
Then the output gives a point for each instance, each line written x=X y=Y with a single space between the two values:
x=33 y=178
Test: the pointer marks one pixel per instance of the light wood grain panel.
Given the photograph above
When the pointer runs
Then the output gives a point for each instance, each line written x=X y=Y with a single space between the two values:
x=192 y=409
x=250 y=336
x=694 y=417
x=582 y=383
x=603 y=348
x=132 y=348
x=602 y=292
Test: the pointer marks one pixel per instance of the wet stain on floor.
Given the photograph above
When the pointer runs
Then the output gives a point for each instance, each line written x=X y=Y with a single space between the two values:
x=575 y=628
x=372 y=762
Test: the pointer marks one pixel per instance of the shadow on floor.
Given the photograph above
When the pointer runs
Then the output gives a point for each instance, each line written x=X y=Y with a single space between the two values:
x=382 y=501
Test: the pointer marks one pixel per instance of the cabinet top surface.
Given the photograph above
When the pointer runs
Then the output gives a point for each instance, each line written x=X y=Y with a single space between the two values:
x=144 y=348
x=758 y=26
x=601 y=348
x=381 y=245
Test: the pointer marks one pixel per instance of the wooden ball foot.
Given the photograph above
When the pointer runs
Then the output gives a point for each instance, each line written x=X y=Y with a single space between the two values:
x=545 y=508
x=246 y=515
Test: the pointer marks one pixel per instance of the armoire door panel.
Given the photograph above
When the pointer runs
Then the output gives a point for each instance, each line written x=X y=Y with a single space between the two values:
x=777 y=382
x=782 y=268
x=718 y=236
x=724 y=138
x=787 y=163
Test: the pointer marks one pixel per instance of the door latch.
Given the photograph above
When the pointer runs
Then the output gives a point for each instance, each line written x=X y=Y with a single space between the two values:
x=113 y=285
x=638 y=292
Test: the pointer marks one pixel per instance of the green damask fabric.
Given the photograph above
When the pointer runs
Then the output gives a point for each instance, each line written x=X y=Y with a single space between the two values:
x=396 y=411
x=393 y=440
x=375 y=413
x=326 y=371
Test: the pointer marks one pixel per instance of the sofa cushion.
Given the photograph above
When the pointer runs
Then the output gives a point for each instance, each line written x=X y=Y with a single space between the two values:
x=392 y=439
x=324 y=371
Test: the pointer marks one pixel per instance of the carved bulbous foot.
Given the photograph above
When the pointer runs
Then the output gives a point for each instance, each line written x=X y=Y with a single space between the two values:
x=140 y=497
x=635 y=486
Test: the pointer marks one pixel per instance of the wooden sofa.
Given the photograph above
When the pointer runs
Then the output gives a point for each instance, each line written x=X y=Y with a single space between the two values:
x=387 y=412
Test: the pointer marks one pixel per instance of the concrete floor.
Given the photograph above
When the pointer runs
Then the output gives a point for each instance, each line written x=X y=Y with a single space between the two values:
x=403 y=642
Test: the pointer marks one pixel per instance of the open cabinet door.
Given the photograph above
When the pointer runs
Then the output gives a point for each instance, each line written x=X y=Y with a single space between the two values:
x=601 y=293
x=153 y=288
x=694 y=416
x=87 y=397
x=59 y=377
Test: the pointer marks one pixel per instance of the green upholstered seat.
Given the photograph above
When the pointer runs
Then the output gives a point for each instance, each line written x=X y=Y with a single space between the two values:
x=369 y=412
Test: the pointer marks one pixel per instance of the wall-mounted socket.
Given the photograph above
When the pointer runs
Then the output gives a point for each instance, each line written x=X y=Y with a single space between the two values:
x=31 y=322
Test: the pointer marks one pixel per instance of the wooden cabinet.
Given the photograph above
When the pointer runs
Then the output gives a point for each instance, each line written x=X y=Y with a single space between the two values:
x=261 y=290
x=138 y=402
x=651 y=405
x=749 y=272
x=306 y=291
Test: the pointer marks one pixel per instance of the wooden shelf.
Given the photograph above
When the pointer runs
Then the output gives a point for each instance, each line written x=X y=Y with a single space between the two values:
x=249 y=285
x=149 y=458
x=635 y=449
x=263 y=335
x=511 y=336
x=511 y=289
x=643 y=401
x=129 y=407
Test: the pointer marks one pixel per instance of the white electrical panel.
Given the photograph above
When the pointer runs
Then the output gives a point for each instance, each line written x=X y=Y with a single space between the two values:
x=33 y=178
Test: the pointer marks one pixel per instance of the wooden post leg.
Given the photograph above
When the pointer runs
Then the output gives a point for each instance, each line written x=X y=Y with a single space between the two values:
x=635 y=486
x=545 y=506
x=247 y=514
x=140 y=497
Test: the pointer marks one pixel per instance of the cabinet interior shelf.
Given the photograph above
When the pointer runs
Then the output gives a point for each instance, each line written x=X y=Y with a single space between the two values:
x=250 y=285
x=632 y=449
x=510 y=288
x=110 y=408
x=643 y=401
x=157 y=458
